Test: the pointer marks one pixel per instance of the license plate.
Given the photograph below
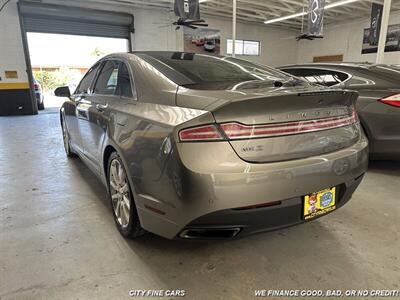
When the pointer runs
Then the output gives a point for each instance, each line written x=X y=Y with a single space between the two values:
x=319 y=203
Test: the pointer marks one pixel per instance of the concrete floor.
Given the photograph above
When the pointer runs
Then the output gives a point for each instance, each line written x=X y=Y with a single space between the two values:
x=58 y=239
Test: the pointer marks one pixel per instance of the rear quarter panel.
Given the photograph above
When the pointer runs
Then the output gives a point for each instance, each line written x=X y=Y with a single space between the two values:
x=144 y=134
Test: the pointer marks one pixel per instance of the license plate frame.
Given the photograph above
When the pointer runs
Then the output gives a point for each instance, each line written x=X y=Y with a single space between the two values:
x=319 y=203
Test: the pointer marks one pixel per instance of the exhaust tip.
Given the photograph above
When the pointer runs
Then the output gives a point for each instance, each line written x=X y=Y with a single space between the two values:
x=210 y=233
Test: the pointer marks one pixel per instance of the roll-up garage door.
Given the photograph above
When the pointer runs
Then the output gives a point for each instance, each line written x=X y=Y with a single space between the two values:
x=46 y=18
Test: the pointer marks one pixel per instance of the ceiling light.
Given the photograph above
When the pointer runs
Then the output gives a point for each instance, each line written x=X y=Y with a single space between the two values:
x=300 y=14
x=286 y=17
x=339 y=3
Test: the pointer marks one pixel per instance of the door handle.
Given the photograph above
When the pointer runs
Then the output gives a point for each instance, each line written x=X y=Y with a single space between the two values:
x=101 y=107
x=79 y=99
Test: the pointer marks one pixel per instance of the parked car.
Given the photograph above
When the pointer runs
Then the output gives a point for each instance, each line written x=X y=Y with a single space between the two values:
x=200 y=42
x=38 y=94
x=379 y=103
x=209 y=45
x=196 y=146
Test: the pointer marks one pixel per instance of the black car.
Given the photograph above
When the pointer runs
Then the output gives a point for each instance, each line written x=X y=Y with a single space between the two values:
x=378 y=105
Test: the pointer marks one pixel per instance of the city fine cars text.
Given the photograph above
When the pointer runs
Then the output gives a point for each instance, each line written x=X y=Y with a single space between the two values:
x=281 y=293
x=157 y=293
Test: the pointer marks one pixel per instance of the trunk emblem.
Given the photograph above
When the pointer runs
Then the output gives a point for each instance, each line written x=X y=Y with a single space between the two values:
x=257 y=148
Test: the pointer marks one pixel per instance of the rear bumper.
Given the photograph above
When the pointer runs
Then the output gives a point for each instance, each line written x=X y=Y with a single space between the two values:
x=39 y=97
x=204 y=183
x=286 y=213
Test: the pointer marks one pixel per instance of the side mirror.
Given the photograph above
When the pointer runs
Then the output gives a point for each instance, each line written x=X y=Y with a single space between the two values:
x=62 y=91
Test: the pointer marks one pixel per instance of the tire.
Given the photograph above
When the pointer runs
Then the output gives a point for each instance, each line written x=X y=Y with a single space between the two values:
x=121 y=198
x=66 y=139
x=41 y=106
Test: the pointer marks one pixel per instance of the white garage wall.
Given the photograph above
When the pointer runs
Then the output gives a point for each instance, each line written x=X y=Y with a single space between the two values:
x=344 y=39
x=278 y=46
x=152 y=32
x=12 y=56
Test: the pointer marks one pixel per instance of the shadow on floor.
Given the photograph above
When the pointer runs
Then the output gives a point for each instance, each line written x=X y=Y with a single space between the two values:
x=182 y=261
x=385 y=167
x=50 y=110
x=92 y=181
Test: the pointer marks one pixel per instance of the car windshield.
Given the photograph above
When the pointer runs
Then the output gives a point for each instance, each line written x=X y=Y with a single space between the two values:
x=206 y=69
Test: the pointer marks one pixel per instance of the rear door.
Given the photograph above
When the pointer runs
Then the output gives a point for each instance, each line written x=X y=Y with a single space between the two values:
x=95 y=113
x=72 y=118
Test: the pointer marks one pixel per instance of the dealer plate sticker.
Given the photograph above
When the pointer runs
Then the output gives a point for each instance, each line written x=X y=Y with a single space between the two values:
x=319 y=203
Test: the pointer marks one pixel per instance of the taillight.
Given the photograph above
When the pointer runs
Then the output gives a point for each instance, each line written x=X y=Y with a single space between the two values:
x=236 y=131
x=393 y=100
x=201 y=133
x=355 y=115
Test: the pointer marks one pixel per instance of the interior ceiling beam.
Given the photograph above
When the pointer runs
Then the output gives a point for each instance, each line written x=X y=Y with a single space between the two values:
x=252 y=11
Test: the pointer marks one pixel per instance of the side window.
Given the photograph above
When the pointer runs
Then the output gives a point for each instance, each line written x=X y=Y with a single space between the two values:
x=106 y=83
x=319 y=76
x=124 y=85
x=86 y=82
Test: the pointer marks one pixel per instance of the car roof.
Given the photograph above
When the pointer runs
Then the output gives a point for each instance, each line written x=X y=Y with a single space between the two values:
x=155 y=54
x=364 y=65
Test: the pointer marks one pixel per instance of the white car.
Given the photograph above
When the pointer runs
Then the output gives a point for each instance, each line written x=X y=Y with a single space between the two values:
x=209 y=45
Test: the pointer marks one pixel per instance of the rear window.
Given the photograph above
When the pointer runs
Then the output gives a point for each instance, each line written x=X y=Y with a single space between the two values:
x=201 y=69
x=319 y=76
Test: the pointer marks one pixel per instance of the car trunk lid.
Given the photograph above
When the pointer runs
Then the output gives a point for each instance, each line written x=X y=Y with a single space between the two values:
x=287 y=124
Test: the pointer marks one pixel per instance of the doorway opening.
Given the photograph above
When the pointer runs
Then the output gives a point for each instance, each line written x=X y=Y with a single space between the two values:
x=62 y=60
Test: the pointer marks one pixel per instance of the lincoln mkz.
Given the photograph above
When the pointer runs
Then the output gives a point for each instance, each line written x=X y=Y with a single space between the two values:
x=194 y=146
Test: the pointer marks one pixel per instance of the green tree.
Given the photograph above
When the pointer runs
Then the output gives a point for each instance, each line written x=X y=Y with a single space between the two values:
x=50 y=80
x=97 y=52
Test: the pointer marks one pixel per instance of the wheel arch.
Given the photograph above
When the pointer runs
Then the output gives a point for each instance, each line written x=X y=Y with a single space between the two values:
x=108 y=150
x=61 y=114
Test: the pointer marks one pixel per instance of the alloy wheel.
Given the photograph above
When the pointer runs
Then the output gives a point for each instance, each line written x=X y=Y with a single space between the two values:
x=119 y=191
